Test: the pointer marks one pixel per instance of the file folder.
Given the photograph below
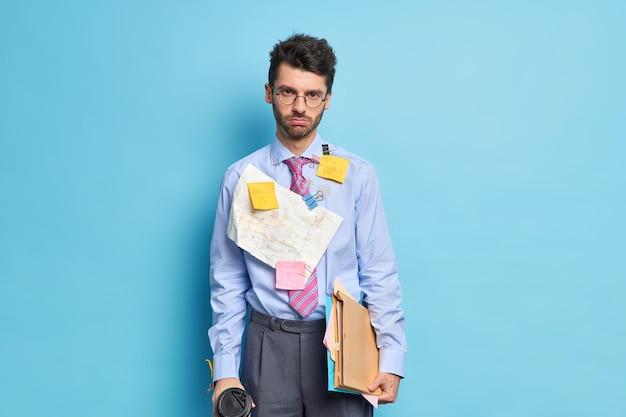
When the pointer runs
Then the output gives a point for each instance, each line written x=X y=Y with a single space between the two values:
x=356 y=351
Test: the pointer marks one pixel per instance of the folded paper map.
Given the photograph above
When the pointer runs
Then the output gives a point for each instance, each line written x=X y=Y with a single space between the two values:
x=291 y=232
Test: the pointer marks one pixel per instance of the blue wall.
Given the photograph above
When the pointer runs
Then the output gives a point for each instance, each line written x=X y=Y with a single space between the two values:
x=498 y=133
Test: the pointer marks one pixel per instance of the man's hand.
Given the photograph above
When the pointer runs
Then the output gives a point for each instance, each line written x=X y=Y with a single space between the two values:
x=389 y=383
x=222 y=385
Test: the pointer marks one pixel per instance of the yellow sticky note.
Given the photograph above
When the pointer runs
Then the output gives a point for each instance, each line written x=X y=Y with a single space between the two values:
x=263 y=195
x=333 y=167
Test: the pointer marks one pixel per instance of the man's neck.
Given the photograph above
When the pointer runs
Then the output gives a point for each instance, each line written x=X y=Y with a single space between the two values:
x=296 y=146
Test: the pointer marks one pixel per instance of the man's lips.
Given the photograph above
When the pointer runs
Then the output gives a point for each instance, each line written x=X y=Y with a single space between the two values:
x=298 y=122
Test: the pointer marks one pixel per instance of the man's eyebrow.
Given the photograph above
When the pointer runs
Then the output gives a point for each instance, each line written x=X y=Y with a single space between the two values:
x=283 y=87
x=286 y=87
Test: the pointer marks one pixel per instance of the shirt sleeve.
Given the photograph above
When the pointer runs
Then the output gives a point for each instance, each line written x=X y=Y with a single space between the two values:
x=378 y=274
x=229 y=284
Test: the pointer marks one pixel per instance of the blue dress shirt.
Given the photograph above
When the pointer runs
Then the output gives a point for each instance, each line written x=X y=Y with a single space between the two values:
x=360 y=254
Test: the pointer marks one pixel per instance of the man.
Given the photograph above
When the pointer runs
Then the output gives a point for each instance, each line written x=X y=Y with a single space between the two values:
x=284 y=359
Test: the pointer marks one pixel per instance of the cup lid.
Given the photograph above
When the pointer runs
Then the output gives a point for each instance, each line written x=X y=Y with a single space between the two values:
x=234 y=402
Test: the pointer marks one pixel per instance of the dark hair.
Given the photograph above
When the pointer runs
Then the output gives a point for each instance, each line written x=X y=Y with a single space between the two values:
x=306 y=53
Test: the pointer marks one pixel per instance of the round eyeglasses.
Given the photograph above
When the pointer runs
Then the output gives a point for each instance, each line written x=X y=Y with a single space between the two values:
x=312 y=99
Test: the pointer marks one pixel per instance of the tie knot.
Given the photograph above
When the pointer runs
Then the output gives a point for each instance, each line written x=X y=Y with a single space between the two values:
x=295 y=164
x=299 y=184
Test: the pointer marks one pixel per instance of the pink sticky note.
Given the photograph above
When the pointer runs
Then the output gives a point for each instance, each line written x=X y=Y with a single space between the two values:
x=290 y=275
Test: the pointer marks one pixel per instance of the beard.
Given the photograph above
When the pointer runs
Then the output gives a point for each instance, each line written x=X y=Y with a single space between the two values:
x=296 y=132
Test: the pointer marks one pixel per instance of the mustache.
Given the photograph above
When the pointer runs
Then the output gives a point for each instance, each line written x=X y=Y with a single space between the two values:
x=299 y=115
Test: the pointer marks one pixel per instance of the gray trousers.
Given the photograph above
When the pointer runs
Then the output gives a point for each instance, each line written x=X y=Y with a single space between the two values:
x=284 y=370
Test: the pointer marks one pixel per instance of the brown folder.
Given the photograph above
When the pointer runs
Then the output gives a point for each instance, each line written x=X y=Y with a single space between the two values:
x=357 y=353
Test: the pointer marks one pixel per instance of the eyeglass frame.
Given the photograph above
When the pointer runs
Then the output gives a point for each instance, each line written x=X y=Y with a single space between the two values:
x=296 y=98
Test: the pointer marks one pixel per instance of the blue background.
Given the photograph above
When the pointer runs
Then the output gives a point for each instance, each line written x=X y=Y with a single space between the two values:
x=497 y=129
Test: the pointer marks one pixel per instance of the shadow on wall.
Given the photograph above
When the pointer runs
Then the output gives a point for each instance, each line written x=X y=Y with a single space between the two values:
x=251 y=127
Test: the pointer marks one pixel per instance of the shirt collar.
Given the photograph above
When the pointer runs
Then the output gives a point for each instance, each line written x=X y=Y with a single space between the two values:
x=278 y=152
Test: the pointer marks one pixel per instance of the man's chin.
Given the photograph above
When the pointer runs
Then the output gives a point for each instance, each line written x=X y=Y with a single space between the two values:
x=300 y=137
x=298 y=134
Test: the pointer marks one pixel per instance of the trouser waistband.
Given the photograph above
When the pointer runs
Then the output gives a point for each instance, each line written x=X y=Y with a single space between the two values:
x=292 y=326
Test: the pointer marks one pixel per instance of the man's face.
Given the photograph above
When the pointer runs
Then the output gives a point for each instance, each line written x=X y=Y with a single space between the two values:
x=297 y=121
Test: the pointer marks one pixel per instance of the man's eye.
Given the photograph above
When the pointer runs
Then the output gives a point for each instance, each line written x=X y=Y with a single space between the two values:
x=314 y=94
x=286 y=92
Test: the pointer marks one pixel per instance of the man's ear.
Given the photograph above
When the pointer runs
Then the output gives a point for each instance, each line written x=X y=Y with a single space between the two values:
x=327 y=102
x=268 y=93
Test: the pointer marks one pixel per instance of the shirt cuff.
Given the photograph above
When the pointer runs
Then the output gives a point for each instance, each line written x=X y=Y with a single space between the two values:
x=392 y=361
x=225 y=366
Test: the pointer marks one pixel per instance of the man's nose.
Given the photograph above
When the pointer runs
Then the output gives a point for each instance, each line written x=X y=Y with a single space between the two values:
x=299 y=106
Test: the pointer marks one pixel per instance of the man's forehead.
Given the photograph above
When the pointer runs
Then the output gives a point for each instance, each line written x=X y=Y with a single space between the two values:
x=299 y=78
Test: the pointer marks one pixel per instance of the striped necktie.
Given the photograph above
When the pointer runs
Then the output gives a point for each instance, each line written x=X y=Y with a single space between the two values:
x=305 y=300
